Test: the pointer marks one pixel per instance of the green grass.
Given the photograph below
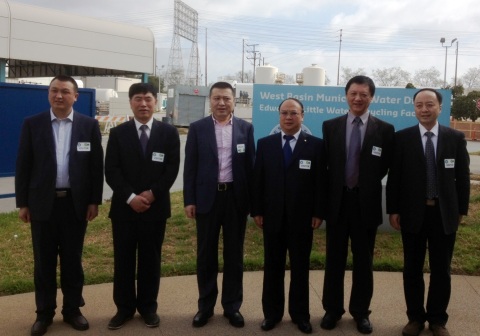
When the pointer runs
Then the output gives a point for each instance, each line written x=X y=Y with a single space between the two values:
x=179 y=248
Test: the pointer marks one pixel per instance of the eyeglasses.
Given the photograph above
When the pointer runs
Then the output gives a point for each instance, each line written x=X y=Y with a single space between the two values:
x=292 y=114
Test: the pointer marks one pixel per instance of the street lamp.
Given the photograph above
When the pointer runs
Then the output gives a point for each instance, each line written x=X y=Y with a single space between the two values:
x=442 y=41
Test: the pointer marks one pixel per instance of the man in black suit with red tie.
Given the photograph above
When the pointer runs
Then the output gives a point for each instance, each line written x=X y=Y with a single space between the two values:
x=358 y=148
x=428 y=192
x=288 y=206
x=58 y=187
x=141 y=164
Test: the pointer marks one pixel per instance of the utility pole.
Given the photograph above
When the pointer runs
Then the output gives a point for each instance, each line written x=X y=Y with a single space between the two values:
x=339 y=50
x=206 y=56
x=243 y=58
x=254 y=52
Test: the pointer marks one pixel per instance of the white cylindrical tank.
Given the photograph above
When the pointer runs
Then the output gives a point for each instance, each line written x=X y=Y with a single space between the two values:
x=314 y=76
x=265 y=74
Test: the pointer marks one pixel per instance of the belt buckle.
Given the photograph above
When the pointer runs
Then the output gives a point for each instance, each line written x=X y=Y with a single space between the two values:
x=61 y=193
x=430 y=202
x=221 y=187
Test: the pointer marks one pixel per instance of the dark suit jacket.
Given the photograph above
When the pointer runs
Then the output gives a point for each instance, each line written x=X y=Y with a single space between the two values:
x=407 y=178
x=296 y=190
x=36 y=168
x=128 y=170
x=200 y=174
x=372 y=167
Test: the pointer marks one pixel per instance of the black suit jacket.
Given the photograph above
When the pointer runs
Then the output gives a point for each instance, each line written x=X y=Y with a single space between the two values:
x=297 y=189
x=128 y=170
x=372 y=167
x=407 y=178
x=200 y=173
x=36 y=168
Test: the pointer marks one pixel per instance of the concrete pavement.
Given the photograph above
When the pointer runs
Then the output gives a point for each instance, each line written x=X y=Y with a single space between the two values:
x=178 y=304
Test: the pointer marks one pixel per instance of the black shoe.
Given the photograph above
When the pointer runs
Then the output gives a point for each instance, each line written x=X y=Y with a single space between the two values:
x=201 y=318
x=304 y=326
x=118 y=321
x=77 y=321
x=40 y=327
x=269 y=324
x=364 y=326
x=152 y=320
x=329 y=321
x=235 y=319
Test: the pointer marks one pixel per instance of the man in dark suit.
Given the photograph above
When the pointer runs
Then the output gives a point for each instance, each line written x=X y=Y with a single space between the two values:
x=428 y=190
x=58 y=186
x=358 y=148
x=219 y=156
x=288 y=206
x=141 y=164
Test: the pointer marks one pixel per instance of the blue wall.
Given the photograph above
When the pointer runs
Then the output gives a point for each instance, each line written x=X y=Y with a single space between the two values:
x=18 y=101
x=320 y=103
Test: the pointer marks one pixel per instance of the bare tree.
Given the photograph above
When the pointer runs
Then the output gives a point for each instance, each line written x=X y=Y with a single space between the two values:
x=471 y=79
x=393 y=76
x=348 y=73
x=428 y=78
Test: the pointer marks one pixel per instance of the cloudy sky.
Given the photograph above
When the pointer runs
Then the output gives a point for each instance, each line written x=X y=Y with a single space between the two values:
x=293 y=34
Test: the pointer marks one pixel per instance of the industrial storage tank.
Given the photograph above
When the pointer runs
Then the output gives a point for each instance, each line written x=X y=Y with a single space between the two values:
x=314 y=76
x=266 y=74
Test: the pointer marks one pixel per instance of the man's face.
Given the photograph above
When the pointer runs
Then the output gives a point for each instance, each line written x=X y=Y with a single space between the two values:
x=359 y=98
x=291 y=117
x=143 y=106
x=62 y=96
x=222 y=103
x=427 y=108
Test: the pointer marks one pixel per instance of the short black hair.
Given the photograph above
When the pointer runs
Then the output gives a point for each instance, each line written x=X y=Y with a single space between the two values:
x=291 y=98
x=141 y=88
x=361 y=79
x=65 y=78
x=221 y=85
x=438 y=94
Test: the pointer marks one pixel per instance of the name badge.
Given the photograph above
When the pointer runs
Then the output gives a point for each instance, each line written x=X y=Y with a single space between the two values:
x=305 y=164
x=377 y=151
x=83 y=147
x=449 y=163
x=158 y=157
x=241 y=148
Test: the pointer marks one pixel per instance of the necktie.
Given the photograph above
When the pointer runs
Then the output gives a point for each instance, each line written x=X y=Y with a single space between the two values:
x=144 y=137
x=353 y=159
x=287 y=150
x=431 y=169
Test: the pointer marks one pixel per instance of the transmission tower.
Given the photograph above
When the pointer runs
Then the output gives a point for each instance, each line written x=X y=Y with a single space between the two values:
x=186 y=26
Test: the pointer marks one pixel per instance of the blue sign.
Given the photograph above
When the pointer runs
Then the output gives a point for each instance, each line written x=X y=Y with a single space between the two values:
x=392 y=105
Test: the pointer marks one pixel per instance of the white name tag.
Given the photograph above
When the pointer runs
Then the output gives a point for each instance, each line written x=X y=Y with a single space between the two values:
x=83 y=147
x=449 y=163
x=158 y=157
x=377 y=151
x=241 y=148
x=304 y=164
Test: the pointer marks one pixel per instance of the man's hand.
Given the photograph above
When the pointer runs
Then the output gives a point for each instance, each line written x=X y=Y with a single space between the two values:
x=316 y=222
x=92 y=212
x=395 y=221
x=258 y=221
x=139 y=204
x=148 y=194
x=24 y=214
x=190 y=211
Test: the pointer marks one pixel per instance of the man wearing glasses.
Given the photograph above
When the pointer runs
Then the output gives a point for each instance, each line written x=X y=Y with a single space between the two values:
x=288 y=206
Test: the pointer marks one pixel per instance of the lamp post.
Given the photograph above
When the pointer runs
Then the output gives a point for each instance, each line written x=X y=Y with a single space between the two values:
x=456 y=63
x=442 y=41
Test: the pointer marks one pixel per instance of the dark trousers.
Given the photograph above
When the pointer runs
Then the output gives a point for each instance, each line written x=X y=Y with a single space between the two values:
x=299 y=245
x=349 y=226
x=130 y=238
x=61 y=236
x=224 y=214
x=440 y=250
